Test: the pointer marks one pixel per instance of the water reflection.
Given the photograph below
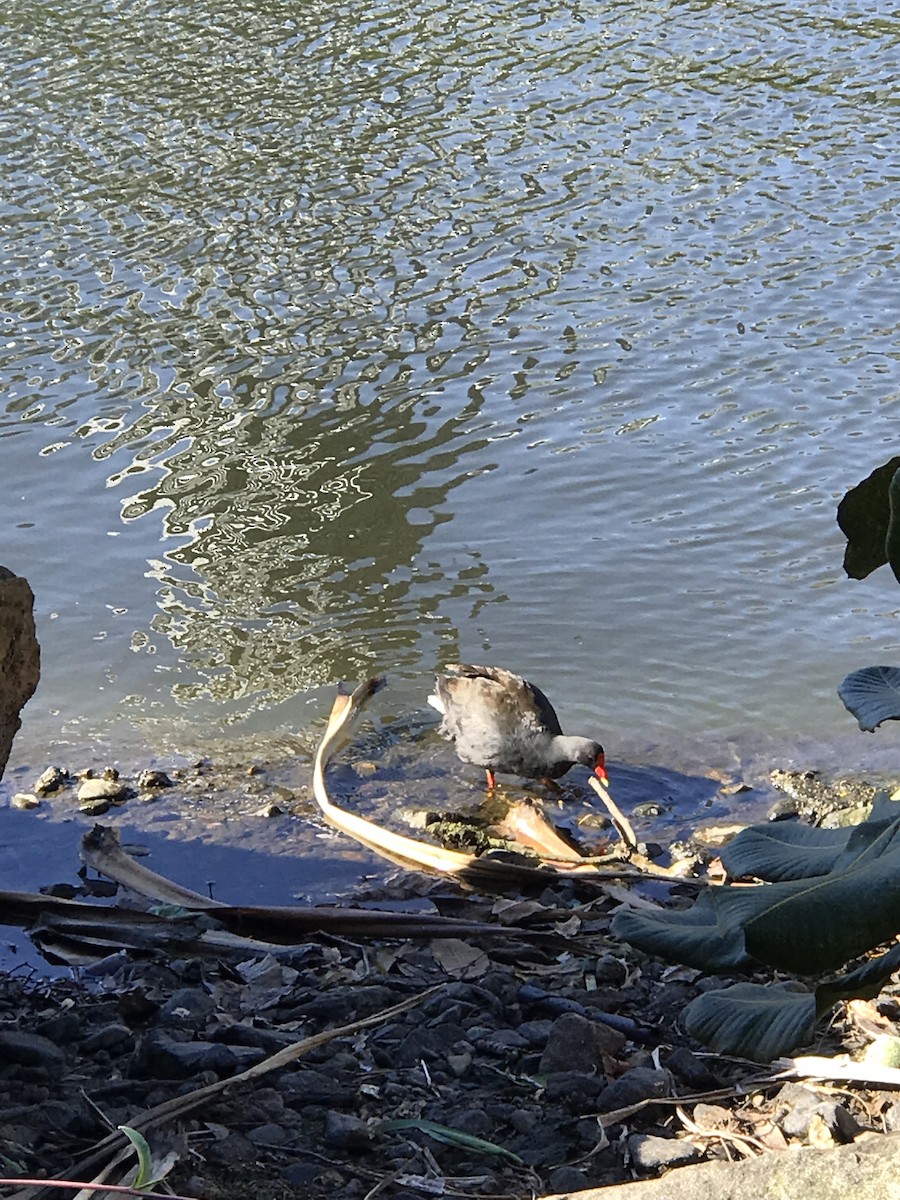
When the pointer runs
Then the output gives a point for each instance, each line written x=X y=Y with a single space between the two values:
x=285 y=290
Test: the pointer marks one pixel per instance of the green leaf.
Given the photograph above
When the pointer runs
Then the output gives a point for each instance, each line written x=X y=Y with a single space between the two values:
x=762 y=1022
x=696 y=936
x=783 y=850
x=862 y=984
x=872 y=694
x=450 y=1137
x=864 y=516
x=791 y=850
x=789 y=924
x=752 y=1020
x=144 y=1173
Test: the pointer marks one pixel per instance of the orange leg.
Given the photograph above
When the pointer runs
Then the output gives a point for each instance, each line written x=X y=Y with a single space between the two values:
x=490 y=779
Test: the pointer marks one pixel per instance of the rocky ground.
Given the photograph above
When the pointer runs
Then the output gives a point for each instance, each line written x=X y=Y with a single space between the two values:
x=525 y=1065
x=568 y=1070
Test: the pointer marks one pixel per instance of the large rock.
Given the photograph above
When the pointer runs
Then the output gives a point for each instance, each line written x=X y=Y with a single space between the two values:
x=869 y=1170
x=20 y=657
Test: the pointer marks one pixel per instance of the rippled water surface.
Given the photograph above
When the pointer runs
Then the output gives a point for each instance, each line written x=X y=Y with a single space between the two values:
x=338 y=338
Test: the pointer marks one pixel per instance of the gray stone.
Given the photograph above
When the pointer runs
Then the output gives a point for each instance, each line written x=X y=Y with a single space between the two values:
x=567 y=1179
x=61 y=1028
x=640 y=1083
x=96 y=791
x=110 y=1037
x=305 y=1087
x=153 y=780
x=24 y=801
x=866 y=1171
x=29 y=1050
x=650 y=1153
x=346 y=1131
x=50 y=780
x=576 y=1091
x=161 y=1057
x=796 y=1105
x=269 y=1134
x=188 y=1008
x=692 y=1070
x=577 y=1044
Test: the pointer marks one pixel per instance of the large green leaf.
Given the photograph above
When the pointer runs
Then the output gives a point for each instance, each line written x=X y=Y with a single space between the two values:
x=790 y=924
x=752 y=1020
x=864 y=516
x=790 y=850
x=696 y=936
x=872 y=694
x=763 y=1022
x=862 y=984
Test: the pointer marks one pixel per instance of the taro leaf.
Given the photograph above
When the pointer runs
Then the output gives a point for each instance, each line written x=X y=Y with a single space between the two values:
x=790 y=925
x=862 y=984
x=872 y=695
x=864 y=518
x=784 y=850
x=752 y=1020
x=762 y=1022
x=693 y=936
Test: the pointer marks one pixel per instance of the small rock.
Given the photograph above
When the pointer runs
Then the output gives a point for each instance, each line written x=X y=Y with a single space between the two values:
x=346 y=1131
x=161 y=1057
x=567 y=1179
x=640 y=1083
x=188 y=1008
x=651 y=1154
x=576 y=1091
x=29 y=1049
x=94 y=791
x=24 y=800
x=577 y=1044
x=149 y=781
x=692 y=1070
x=110 y=1037
x=797 y=1104
x=62 y=1027
x=650 y=808
x=270 y=809
x=269 y=1134
x=50 y=780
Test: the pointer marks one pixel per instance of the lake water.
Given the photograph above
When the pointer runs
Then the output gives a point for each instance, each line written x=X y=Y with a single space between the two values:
x=340 y=338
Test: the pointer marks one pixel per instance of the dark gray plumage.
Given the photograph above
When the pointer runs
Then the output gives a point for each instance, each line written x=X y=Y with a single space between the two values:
x=501 y=722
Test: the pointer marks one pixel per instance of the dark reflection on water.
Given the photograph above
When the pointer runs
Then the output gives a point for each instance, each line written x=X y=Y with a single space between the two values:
x=340 y=339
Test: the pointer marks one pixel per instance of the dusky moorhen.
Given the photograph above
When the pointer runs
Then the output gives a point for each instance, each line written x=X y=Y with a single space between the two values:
x=501 y=722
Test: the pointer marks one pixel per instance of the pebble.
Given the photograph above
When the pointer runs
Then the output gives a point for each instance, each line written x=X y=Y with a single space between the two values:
x=24 y=800
x=567 y=1179
x=650 y=1154
x=29 y=1049
x=94 y=792
x=577 y=1044
x=346 y=1131
x=149 y=781
x=159 y=1056
x=188 y=1008
x=640 y=1083
x=50 y=780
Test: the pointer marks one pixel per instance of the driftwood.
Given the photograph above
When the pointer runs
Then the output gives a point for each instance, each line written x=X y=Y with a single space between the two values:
x=545 y=854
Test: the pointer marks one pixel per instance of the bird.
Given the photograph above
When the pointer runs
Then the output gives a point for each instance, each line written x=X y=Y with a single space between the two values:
x=500 y=722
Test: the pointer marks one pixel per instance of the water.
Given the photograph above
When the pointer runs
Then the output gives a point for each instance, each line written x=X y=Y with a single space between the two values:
x=342 y=339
